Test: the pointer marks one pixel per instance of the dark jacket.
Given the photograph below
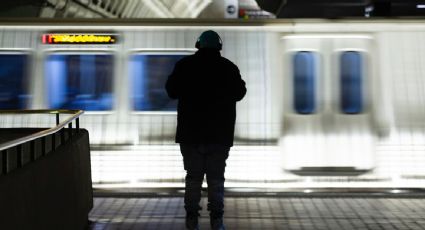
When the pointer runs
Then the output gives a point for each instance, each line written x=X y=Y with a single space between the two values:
x=207 y=87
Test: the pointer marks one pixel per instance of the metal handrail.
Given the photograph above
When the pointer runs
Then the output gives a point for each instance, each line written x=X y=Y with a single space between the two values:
x=59 y=125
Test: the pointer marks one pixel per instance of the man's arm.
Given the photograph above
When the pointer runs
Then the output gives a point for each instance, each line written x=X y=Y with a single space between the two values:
x=239 y=86
x=172 y=85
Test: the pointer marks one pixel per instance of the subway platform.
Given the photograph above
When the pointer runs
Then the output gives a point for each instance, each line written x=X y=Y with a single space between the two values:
x=337 y=210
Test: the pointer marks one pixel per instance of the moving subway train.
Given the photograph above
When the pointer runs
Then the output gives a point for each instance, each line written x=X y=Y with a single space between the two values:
x=335 y=103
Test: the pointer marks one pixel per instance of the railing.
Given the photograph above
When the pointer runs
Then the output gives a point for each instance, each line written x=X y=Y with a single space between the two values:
x=18 y=144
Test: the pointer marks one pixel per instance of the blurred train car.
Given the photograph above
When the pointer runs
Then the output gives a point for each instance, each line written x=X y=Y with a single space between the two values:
x=340 y=99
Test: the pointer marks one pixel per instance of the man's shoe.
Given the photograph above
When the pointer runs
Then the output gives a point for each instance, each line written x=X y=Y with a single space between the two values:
x=217 y=223
x=192 y=222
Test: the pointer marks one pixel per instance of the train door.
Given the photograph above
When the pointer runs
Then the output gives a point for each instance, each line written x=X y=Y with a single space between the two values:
x=80 y=79
x=153 y=111
x=328 y=124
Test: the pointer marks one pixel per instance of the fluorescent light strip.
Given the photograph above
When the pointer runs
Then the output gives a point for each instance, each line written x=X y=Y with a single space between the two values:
x=421 y=6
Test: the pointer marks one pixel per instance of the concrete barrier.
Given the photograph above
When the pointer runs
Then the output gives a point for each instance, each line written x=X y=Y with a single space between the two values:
x=53 y=192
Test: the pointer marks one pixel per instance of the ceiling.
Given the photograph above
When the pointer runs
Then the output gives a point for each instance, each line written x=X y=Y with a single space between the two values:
x=343 y=8
x=209 y=8
x=126 y=9
x=123 y=8
x=104 y=8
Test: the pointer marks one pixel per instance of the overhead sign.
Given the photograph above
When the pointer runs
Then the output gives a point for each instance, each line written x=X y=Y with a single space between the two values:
x=250 y=14
x=231 y=8
x=61 y=38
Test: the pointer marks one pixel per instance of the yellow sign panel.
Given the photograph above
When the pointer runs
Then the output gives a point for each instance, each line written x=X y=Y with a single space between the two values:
x=79 y=39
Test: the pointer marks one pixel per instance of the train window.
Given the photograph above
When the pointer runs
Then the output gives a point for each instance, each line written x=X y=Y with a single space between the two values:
x=14 y=81
x=304 y=69
x=149 y=72
x=79 y=81
x=351 y=71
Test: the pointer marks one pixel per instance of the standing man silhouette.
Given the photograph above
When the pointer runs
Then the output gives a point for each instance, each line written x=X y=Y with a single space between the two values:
x=207 y=87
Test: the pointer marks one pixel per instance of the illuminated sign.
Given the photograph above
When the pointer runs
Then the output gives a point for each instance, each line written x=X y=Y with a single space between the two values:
x=79 y=39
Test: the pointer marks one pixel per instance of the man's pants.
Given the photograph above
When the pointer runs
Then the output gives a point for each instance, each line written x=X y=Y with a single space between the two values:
x=200 y=159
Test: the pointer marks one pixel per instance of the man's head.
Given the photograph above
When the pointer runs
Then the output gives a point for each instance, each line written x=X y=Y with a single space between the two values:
x=209 y=39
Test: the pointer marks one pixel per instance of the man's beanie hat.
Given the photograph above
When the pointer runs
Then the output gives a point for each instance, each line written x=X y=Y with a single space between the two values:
x=209 y=39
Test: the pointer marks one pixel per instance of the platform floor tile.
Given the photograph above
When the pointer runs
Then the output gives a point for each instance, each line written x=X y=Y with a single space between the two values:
x=264 y=213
